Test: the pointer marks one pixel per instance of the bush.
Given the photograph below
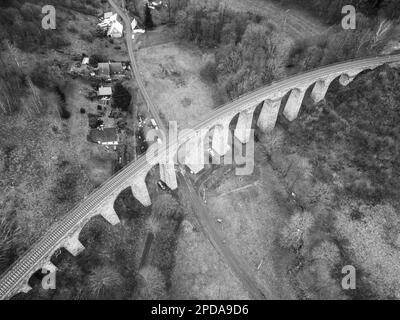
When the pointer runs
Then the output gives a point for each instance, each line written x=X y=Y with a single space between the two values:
x=293 y=235
x=105 y=282
x=154 y=284
x=95 y=59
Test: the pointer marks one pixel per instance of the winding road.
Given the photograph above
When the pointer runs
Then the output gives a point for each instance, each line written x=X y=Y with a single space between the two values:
x=237 y=264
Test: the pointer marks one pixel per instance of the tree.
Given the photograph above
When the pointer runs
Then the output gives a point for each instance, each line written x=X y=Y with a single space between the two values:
x=154 y=284
x=121 y=97
x=105 y=282
x=148 y=19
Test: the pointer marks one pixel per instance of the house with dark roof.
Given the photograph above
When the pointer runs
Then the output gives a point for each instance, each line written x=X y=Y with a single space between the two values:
x=104 y=136
x=116 y=68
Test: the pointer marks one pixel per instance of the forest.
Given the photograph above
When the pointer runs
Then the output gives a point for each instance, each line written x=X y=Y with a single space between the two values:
x=331 y=10
x=245 y=58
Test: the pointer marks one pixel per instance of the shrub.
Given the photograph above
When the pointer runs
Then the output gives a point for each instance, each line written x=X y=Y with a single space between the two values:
x=154 y=284
x=105 y=282
x=293 y=234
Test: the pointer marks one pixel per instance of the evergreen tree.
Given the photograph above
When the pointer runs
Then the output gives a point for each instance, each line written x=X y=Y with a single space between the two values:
x=148 y=19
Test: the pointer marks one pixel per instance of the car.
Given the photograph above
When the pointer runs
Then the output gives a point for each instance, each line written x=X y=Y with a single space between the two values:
x=154 y=123
x=211 y=152
x=162 y=185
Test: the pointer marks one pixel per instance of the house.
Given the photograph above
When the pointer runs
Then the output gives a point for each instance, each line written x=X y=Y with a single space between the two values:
x=134 y=30
x=115 y=30
x=104 y=95
x=104 y=92
x=85 y=60
x=106 y=22
x=104 y=136
x=104 y=69
x=107 y=15
x=116 y=68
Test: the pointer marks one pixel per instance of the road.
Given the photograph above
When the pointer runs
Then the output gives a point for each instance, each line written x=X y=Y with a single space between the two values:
x=12 y=280
x=236 y=264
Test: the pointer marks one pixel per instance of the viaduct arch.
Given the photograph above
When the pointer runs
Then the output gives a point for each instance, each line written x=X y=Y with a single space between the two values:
x=66 y=232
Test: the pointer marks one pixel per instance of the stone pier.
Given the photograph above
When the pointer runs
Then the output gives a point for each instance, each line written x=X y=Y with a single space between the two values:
x=242 y=131
x=221 y=137
x=107 y=211
x=268 y=115
x=73 y=245
x=293 y=104
x=320 y=89
x=139 y=190
x=50 y=267
x=194 y=153
x=167 y=174
x=348 y=77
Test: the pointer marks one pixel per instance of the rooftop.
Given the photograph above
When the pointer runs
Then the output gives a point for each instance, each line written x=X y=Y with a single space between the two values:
x=116 y=67
x=104 y=136
x=105 y=91
x=104 y=69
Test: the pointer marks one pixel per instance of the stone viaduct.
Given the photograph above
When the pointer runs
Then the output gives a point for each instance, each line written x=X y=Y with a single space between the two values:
x=190 y=146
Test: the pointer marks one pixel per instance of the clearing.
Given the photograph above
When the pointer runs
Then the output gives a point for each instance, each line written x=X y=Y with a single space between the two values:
x=172 y=75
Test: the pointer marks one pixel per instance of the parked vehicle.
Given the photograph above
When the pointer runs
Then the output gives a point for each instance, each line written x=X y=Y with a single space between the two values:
x=162 y=185
x=154 y=123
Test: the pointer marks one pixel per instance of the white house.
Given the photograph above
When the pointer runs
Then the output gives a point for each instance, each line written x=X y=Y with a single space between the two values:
x=108 y=21
x=115 y=30
x=134 y=30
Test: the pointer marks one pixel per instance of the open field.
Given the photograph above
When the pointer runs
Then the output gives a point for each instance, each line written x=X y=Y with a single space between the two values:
x=251 y=217
x=200 y=273
x=172 y=75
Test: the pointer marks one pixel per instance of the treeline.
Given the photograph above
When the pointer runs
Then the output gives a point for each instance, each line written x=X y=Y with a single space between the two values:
x=369 y=39
x=331 y=10
x=21 y=22
x=361 y=123
x=246 y=46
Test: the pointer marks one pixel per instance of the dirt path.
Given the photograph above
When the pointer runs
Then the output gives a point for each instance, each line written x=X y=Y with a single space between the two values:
x=295 y=23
